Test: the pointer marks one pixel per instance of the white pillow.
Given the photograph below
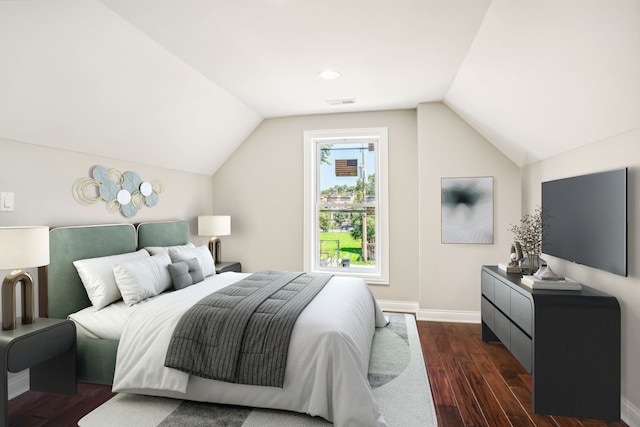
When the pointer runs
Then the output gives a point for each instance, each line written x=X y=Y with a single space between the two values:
x=97 y=276
x=143 y=278
x=201 y=253
x=155 y=250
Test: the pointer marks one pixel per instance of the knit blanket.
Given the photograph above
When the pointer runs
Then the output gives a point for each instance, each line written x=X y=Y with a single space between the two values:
x=241 y=333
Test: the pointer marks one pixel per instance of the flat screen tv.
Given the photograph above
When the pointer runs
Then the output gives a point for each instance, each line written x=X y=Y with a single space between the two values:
x=585 y=220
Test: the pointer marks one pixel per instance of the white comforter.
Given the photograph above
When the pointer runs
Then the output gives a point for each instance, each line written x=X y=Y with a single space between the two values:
x=327 y=365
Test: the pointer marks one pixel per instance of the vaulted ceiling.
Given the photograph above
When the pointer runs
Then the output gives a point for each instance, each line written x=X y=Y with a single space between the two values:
x=181 y=83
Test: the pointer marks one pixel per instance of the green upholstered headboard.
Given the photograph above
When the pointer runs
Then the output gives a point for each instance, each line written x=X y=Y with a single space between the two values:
x=61 y=290
x=65 y=293
x=166 y=233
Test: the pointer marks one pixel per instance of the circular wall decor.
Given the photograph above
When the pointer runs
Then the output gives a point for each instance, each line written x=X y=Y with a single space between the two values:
x=124 y=192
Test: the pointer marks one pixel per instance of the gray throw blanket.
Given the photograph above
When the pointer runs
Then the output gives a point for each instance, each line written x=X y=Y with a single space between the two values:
x=241 y=333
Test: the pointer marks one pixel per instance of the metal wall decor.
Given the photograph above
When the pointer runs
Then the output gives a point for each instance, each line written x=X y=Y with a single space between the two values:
x=122 y=192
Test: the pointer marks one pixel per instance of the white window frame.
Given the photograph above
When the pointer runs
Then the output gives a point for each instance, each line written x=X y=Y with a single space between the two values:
x=312 y=140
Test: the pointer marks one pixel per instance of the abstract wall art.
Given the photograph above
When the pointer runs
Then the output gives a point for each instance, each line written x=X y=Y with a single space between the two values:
x=124 y=192
x=467 y=210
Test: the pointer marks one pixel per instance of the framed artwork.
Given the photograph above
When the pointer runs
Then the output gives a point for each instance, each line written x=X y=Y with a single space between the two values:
x=467 y=210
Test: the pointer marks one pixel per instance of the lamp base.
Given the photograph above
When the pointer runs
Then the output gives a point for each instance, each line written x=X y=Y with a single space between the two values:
x=9 y=299
x=215 y=247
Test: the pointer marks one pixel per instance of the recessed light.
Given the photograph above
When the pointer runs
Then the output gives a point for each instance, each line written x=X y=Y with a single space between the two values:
x=340 y=101
x=328 y=74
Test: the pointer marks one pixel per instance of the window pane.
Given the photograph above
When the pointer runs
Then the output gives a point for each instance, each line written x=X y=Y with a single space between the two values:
x=346 y=207
x=340 y=241
x=342 y=166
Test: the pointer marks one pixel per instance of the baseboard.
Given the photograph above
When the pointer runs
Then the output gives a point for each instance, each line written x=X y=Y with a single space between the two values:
x=630 y=414
x=399 y=306
x=448 y=316
x=18 y=383
x=430 y=315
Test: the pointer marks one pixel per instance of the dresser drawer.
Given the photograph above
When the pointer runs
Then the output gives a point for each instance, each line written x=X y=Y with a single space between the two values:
x=487 y=285
x=487 y=310
x=503 y=297
x=521 y=311
x=502 y=328
x=521 y=348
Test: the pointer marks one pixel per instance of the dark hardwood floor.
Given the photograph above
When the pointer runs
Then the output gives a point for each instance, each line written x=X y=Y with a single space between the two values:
x=473 y=384
x=481 y=384
x=35 y=409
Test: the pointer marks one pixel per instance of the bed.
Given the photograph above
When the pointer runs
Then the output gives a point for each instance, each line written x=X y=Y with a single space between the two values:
x=125 y=344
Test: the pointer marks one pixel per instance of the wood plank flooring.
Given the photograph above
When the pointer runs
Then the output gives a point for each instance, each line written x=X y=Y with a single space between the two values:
x=473 y=384
x=37 y=409
x=481 y=384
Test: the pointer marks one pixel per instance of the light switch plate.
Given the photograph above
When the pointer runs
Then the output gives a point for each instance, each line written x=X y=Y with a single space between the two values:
x=6 y=202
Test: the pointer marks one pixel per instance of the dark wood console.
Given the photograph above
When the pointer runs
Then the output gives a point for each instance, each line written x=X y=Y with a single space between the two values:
x=568 y=340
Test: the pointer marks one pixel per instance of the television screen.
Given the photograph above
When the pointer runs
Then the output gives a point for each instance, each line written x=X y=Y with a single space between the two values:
x=585 y=220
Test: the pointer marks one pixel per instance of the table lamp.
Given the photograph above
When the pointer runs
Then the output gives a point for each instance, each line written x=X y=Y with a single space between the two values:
x=216 y=226
x=21 y=247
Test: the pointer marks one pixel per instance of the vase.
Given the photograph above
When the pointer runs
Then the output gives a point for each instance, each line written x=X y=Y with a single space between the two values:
x=532 y=264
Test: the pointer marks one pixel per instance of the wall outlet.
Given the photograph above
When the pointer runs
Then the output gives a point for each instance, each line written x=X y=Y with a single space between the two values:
x=6 y=202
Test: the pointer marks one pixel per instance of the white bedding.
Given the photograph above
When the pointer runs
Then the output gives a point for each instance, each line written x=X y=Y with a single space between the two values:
x=108 y=323
x=327 y=366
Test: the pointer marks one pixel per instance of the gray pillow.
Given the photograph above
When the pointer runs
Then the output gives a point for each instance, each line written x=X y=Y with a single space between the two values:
x=185 y=273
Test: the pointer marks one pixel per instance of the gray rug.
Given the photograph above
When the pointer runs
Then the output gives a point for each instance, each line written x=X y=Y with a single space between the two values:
x=396 y=373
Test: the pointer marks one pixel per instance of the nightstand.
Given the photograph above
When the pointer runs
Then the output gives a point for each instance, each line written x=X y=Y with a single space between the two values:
x=223 y=267
x=48 y=348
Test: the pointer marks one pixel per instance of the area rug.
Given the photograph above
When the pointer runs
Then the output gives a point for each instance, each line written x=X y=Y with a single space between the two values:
x=397 y=376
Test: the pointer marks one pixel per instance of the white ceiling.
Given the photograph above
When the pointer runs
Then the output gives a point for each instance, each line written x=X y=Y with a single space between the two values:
x=182 y=83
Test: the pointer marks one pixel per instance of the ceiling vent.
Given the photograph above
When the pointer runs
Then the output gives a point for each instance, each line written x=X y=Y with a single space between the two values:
x=341 y=101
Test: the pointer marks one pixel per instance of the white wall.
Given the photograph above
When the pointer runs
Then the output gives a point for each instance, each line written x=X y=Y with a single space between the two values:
x=261 y=187
x=616 y=152
x=42 y=181
x=450 y=273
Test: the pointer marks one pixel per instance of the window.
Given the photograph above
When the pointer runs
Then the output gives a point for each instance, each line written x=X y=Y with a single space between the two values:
x=346 y=210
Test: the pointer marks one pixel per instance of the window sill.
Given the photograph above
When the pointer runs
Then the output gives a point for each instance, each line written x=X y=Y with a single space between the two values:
x=370 y=279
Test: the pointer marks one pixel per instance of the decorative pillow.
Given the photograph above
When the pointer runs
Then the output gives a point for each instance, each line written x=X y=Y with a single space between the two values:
x=155 y=250
x=185 y=273
x=97 y=276
x=201 y=253
x=144 y=278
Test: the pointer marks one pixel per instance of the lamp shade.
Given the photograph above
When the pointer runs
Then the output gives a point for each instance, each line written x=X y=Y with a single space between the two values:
x=214 y=225
x=24 y=247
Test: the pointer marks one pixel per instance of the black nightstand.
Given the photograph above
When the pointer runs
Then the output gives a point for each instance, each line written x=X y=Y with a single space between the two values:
x=223 y=267
x=48 y=348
